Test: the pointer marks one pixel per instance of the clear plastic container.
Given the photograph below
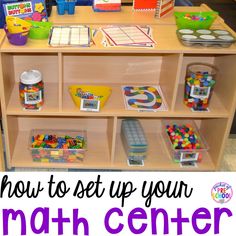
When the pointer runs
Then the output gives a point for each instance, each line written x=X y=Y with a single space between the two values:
x=182 y=154
x=31 y=90
x=199 y=83
x=47 y=153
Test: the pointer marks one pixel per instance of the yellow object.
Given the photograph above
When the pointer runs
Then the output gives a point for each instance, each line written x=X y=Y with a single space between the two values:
x=17 y=25
x=100 y=93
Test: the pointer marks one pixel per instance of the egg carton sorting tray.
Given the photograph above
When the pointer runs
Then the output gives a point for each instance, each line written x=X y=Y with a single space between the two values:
x=206 y=37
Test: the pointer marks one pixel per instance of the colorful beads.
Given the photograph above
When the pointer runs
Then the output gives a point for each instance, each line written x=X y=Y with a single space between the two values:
x=183 y=136
x=55 y=148
x=198 y=89
x=194 y=17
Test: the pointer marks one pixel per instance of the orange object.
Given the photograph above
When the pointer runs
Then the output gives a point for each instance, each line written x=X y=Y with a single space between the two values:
x=143 y=5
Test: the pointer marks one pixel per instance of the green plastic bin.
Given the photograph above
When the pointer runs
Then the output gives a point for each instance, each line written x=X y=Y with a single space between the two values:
x=39 y=29
x=195 y=20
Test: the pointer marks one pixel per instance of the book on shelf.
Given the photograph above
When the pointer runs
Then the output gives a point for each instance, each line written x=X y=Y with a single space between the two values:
x=28 y=10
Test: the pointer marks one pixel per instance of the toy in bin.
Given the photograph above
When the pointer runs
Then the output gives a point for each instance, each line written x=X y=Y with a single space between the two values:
x=199 y=83
x=184 y=140
x=89 y=98
x=58 y=145
x=195 y=20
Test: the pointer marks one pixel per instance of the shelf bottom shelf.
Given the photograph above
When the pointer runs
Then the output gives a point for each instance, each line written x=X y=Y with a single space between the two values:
x=98 y=158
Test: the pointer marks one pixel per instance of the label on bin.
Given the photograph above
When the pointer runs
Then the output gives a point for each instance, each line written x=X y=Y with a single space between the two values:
x=90 y=105
x=200 y=92
x=189 y=156
x=33 y=98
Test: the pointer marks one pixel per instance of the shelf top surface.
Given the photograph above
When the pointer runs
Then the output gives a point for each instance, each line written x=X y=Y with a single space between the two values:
x=164 y=32
x=86 y=15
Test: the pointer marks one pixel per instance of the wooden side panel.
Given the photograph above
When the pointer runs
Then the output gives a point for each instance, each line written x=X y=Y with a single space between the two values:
x=111 y=134
x=7 y=76
x=226 y=80
x=169 y=76
x=2 y=167
x=11 y=133
x=215 y=132
x=60 y=80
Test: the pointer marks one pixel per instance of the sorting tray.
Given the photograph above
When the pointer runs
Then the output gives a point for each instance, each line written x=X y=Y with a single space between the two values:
x=76 y=35
x=205 y=37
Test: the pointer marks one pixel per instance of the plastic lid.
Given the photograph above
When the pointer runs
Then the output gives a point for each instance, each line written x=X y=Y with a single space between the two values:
x=30 y=77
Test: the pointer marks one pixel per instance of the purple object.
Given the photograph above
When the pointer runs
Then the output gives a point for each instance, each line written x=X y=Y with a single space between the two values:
x=18 y=38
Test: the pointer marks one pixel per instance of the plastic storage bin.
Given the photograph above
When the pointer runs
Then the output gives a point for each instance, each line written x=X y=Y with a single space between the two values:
x=199 y=83
x=58 y=145
x=18 y=39
x=17 y=25
x=39 y=30
x=195 y=20
x=31 y=90
x=182 y=154
x=64 y=6
x=100 y=93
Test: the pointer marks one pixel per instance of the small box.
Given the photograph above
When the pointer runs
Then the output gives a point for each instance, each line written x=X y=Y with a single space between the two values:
x=182 y=154
x=65 y=146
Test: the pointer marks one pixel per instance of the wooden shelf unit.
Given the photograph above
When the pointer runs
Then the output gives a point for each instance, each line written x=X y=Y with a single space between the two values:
x=2 y=34
x=164 y=65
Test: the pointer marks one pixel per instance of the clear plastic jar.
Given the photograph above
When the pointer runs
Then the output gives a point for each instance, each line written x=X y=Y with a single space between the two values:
x=31 y=90
x=199 y=83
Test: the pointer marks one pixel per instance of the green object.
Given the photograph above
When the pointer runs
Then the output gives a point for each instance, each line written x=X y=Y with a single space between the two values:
x=195 y=20
x=39 y=29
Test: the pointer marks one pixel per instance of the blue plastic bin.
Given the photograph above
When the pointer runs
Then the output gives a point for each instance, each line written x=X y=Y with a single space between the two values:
x=66 y=6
